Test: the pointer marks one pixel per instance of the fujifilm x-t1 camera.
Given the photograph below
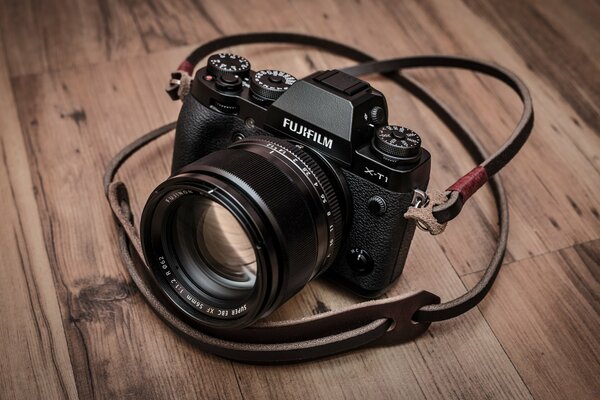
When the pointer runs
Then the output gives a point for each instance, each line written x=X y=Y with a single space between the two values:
x=276 y=181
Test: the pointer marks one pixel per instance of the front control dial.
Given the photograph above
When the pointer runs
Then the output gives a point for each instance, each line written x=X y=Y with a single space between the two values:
x=227 y=63
x=397 y=141
x=269 y=84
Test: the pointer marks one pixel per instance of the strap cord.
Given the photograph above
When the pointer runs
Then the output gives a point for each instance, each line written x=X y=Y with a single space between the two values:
x=459 y=192
x=390 y=320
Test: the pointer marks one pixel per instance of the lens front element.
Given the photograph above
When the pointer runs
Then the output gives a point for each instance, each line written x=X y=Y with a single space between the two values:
x=212 y=247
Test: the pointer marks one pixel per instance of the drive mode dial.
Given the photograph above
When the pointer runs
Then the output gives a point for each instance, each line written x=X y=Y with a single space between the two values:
x=397 y=141
x=269 y=84
x=227 y=63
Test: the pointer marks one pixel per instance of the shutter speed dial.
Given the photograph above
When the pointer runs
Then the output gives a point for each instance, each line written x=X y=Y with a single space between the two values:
x=269 y=84
x=397 y=142
x=227 y=63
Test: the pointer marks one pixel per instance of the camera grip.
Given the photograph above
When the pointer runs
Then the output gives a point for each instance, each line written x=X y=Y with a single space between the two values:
x=386 y=238
x=201 y=131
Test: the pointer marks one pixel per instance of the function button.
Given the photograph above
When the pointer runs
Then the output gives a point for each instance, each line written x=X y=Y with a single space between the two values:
x=360 y=261
x=377 y=205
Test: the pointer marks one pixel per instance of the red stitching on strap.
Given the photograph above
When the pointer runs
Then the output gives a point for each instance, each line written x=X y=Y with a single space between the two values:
x=468 y=184
x=186 y=66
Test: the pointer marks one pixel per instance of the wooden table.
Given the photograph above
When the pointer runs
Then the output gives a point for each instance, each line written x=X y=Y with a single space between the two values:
x=80 y=79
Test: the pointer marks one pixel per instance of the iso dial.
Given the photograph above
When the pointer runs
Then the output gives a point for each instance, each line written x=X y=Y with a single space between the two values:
x=228 y=64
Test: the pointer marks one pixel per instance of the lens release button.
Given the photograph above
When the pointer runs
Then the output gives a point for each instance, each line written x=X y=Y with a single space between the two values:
x=360 y=261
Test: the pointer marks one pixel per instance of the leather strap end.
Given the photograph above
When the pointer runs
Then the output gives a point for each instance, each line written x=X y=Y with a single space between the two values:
x=470 y=183
x=459 y=193
x=186 y=67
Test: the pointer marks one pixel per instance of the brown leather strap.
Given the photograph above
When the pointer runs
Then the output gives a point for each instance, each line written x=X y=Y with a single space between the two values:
x=470 y=183
x=489 y=164
x=385 y=321
x=459 y=192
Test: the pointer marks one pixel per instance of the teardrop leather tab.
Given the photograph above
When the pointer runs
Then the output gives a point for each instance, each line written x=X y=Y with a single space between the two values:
x=396 y=312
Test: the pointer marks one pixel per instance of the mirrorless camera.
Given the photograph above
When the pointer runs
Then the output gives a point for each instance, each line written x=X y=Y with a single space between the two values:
x=276 y=181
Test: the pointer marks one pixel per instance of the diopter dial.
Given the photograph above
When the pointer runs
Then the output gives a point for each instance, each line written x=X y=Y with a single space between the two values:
x=269 y=84
x=397 y=141
x=228 y=64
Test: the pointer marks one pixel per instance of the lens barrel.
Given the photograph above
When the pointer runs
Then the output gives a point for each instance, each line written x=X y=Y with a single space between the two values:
x=237 y=233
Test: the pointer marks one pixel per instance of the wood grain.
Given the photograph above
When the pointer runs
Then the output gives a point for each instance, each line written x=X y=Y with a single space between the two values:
x=537 y=33
x=533 y=302
x=101 y=302
x=110 y=329
x=35 y=360
x=86 y=78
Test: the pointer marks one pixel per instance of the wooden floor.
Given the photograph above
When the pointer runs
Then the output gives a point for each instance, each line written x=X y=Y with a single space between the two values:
x=80 y=79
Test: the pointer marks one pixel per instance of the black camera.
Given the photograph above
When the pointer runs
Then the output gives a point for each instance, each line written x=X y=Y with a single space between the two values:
x=274 y=182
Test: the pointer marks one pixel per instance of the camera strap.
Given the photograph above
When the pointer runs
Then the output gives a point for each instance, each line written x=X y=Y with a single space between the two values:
x=377 y=322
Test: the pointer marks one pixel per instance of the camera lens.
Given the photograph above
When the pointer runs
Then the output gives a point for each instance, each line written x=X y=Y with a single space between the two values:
x=237 y=233
x=213 y=249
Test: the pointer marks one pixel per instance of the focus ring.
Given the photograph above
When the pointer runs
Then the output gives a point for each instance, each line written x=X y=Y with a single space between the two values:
x=332 y=209
x=335 y=220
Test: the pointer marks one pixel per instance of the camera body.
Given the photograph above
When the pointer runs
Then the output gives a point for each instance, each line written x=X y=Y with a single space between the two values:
x=337 y=118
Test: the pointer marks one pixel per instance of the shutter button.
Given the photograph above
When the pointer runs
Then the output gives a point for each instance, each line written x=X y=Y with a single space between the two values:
x=229 y=83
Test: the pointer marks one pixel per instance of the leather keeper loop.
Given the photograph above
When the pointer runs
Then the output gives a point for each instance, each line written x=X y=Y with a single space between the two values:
x=470 y=183
x=186 y=66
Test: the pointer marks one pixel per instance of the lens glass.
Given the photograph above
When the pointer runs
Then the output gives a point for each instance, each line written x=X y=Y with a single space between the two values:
x=213 y=249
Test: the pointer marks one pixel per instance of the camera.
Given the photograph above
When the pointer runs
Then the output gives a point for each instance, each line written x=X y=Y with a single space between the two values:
x=274 y=182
